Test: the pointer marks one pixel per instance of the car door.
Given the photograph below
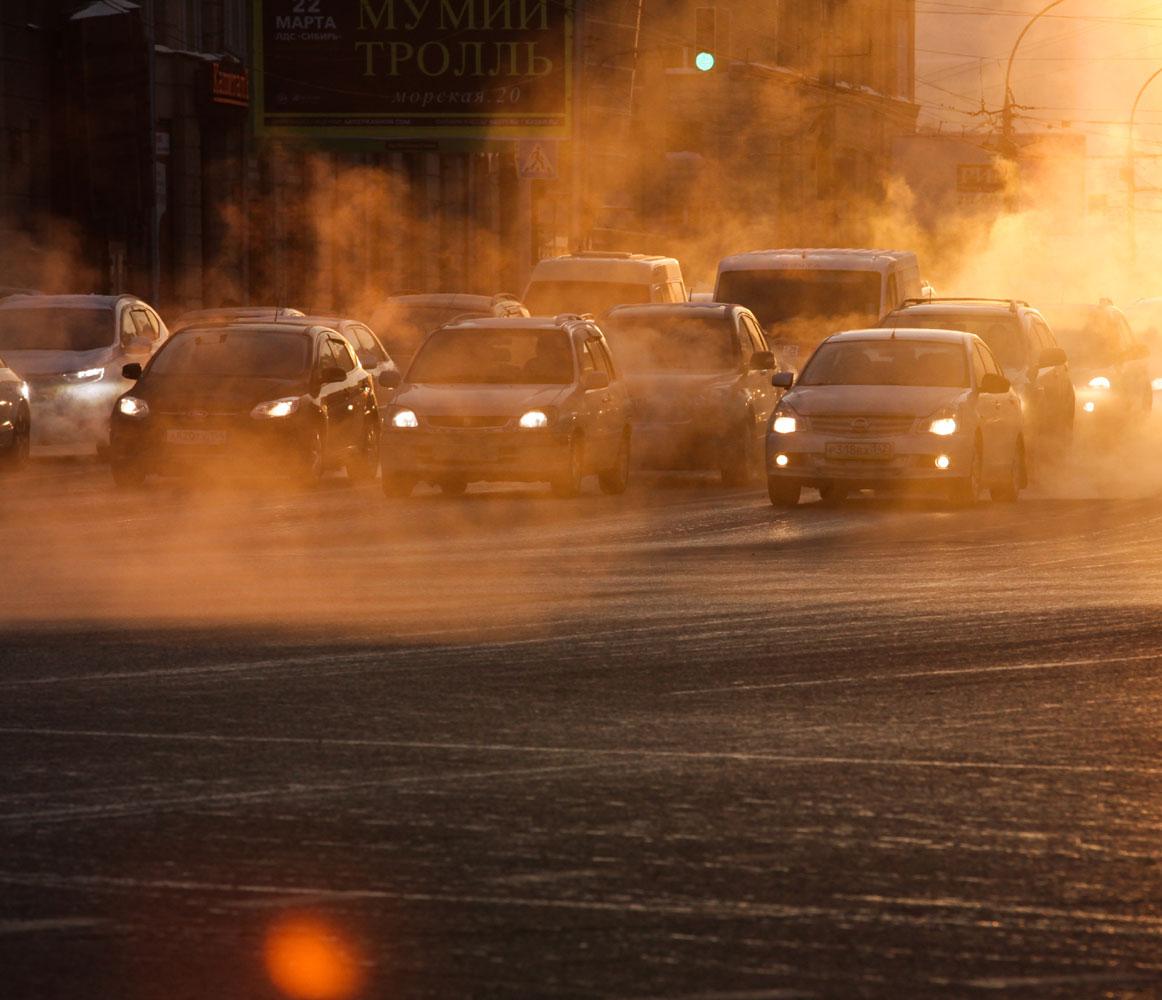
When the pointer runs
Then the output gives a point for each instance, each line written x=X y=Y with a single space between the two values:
x=758 y=382
x=1055 y=380
x=356 y=388
x=1000 y=416
x=607 y=407
x=332 y=399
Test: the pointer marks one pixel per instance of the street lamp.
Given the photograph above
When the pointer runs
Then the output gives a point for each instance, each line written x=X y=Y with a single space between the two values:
x=1007 y=146
x=1131 y=169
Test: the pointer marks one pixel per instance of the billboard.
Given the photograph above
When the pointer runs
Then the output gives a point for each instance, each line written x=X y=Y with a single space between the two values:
x=413 y=68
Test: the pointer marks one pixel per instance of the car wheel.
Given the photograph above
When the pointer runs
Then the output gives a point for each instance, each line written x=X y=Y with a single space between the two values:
x=310 y=472
x=615 y=479
x=741 y=461
x=1009 y=491
x=832 y=494
x=396 y=486
x=965 y=491
x=16 y=457
x=568 y=482
x=782 y=492
x=364 y=465
x=453 y=486
x=127 y=473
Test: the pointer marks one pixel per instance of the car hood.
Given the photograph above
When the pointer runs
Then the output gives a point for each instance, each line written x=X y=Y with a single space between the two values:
x=213 y=394
x=872 y=400
x=479 y=400
x=56 y=362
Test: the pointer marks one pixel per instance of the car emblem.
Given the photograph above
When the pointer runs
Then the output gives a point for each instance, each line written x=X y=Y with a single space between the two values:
x=860 y=425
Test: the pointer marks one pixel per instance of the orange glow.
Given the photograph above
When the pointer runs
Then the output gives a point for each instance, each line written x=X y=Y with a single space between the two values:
x=309 y=960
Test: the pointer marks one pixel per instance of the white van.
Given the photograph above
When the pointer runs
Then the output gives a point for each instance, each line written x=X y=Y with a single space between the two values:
x=803 y=296
x=596 y=281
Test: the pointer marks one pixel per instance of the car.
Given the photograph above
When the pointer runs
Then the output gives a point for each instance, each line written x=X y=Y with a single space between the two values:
x=15 y=420
x=234 y=314
x=1022 y=341
x=509 y=400
x=594 y=281
x=403 y=321
x=289 y=398
x=1109 y=364
x=70 y=349
x=699 y=375
x=892 y=409
x=367 y=346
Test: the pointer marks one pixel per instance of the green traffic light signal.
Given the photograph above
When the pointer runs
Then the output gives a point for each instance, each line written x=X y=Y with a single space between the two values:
x=704 y=61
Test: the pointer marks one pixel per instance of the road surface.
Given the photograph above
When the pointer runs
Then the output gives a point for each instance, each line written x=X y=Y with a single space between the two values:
x=672 y=744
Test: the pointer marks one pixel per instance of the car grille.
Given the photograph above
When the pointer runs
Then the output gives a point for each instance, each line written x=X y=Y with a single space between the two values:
x=467 y=421
x=856 y=424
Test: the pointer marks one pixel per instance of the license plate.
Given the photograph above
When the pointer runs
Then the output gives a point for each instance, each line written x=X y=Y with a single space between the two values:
x=176 y=436
x=861 y=451
x=465 y=452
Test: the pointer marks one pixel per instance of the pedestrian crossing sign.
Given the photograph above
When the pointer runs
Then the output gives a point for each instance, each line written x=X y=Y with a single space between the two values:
x=536 y=160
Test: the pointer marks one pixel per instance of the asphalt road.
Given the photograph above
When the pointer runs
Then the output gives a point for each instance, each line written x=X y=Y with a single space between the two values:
x=673 y=744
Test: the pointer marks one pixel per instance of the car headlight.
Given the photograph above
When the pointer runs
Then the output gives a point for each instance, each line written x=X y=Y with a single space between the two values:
x=131 y=406
x=786 y=421
x=1099 y=382
x=87 y=375
x=534 y=419
x=404 y=418
x=25 y=391
x=275 y=408
x=943 y=426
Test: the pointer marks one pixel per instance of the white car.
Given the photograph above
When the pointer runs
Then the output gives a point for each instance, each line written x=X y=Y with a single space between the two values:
x=70 y=349
x=888 y=409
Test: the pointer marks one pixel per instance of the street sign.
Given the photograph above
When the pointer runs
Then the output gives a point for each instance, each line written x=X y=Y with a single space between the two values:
x=536 y=160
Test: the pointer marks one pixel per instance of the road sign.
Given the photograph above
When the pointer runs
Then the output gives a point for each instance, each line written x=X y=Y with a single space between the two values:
x=536 y=160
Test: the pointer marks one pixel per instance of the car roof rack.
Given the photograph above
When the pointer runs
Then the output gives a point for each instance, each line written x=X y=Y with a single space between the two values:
x=1011 y=303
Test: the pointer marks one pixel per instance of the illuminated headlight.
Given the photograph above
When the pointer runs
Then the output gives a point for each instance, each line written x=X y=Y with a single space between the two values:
x=943 y=426
x=88 y=375
x=24 y=391
x=785 y=423
x=131 y=406
x=534 y=419
x=276 y=408
x=1156 y=385
x=404 y=418
x=1099 y=382
x=1089 y=406
x=943 y=462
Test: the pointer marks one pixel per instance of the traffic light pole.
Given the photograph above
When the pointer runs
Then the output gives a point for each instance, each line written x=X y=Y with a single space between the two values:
x=1008 y=147
x=1132 y=173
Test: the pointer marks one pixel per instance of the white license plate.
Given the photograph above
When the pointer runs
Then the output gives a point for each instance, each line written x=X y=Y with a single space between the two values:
x=861 y=451
x=177 y=436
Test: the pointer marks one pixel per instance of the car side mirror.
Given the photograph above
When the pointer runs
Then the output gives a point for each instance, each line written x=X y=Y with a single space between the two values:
x=131 y=371
x=1051 y=357
x=783 y=380
x=331 y=374
x=762 y=361
x=592 y=381
x=991 y=383
x=390 y=379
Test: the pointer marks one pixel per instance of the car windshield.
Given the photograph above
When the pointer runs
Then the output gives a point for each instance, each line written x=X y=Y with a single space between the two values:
x=403 y=328
x=257 y=354
x=1089 y=336
x=888 y=362
x=673 y=344
x=56 y=329
x=549 y=298
x=494 y=357
x=778 y=296
x=1001 y=333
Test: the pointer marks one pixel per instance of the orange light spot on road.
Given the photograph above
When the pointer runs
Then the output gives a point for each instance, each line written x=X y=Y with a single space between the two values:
x=307 y=959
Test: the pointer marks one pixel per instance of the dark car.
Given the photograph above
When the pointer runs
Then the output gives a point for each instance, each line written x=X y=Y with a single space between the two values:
x=403 y=321
x=524 y=400
x=1109 y=364
x=700 y=379
x=289 y=398
x=15 y=420
x=1021 y=340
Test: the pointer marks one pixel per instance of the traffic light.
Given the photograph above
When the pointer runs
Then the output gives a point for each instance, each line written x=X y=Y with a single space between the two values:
x=705 y=38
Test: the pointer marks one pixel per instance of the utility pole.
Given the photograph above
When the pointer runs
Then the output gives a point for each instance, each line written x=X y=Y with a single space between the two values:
x=1132 y=173
x=1008 y=146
